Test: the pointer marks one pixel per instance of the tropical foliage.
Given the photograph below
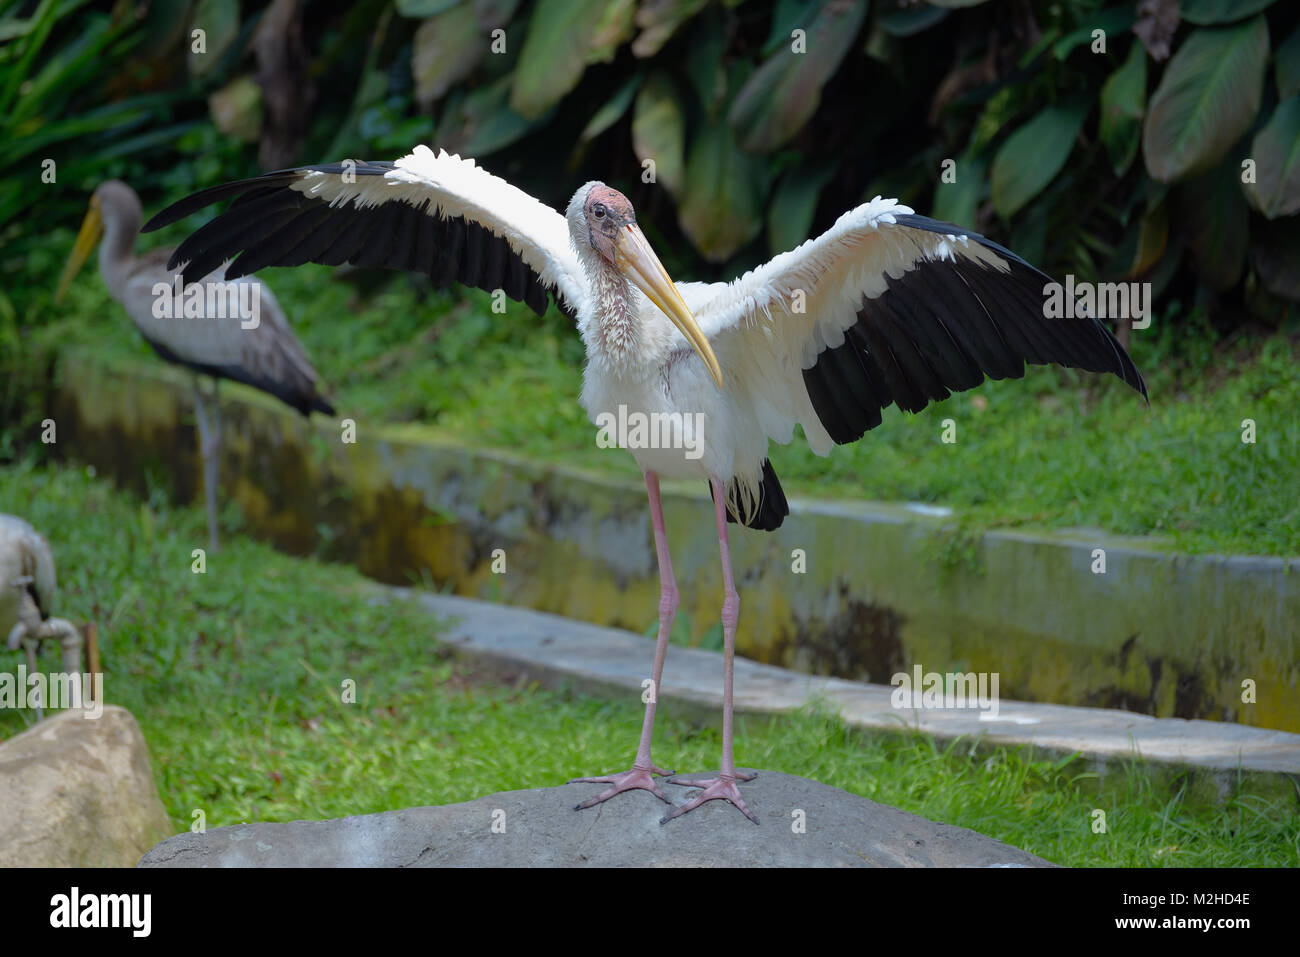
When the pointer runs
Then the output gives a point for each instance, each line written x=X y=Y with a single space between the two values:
x=1106 y=139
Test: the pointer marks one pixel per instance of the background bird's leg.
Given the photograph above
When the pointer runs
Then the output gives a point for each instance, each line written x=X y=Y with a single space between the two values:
x=722 y=787
x=30 y=645
x=643 y=769
x=69 y=642
x=209 y=446
x=215 y=465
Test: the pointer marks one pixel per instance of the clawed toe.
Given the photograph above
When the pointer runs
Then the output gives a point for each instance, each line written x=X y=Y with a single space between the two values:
x=632 y=780
x=721 y=788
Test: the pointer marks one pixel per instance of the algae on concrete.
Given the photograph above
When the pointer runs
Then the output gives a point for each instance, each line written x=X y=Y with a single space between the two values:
x=1172 y=636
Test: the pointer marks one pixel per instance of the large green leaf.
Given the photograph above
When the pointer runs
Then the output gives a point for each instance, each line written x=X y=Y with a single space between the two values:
x=787 y=16
x=483 y=122
x=722 y=205
x=494 y=13
x=958 y=201
x=444 y=51
x=417 y=9
x=219 y=21
x=1214 y=220
x=1113 y=21
x=659 y=131
x=564 y=37
x=794 y=203
x=612 y=111
x=1123 y=101
x=1033 y=155
x=704 y=62
x=786 y=90
x=1206 y=100
x=1276 y=152
x=658 y=20
x=909 y=21
x=1152 y=239
x=1287 y=66
x=1211 y=12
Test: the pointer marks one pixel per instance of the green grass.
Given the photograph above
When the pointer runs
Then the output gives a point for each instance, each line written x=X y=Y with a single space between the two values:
x=235 y=676
x=1056 y=449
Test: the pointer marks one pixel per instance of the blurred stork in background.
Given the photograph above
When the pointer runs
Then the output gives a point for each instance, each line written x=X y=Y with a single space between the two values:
x=885 y=308
x=232 y=330
x=27 y=586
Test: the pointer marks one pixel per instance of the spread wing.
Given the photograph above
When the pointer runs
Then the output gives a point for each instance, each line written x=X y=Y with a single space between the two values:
x=425 y=213
x=888 y=307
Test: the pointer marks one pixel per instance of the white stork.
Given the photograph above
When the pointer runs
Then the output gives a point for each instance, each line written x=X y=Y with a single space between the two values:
x=205 y=333
x=27 y=586
x=886 y=307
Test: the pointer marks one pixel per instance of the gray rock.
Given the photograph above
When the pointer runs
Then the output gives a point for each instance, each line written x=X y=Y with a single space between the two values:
x=539 y=828
x=78 y=792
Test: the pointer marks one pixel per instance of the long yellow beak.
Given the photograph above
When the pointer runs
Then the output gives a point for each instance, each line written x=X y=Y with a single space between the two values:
x=637 y=261
x=92 y=228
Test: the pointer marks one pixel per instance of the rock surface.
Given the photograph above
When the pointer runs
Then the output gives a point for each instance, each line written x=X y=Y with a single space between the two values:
x=78 y=792
x=539 y=828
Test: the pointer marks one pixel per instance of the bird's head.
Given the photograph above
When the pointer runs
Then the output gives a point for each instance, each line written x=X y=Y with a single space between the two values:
x=603 y=219
x=113 y=201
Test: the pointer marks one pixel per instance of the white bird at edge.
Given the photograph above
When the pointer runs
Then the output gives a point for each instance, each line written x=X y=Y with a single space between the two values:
x=27 y=588
x=886 y=307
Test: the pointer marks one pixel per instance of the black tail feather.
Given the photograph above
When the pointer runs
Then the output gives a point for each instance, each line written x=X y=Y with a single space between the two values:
x=772 y=506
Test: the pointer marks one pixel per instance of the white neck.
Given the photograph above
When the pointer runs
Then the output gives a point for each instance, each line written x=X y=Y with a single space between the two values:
x=117 y=248
x=610 y=324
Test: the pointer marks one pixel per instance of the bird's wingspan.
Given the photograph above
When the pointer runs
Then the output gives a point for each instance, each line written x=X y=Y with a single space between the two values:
x=426 y=213
x=888 y=307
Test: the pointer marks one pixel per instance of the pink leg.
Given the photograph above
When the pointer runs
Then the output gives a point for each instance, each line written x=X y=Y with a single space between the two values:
x=722 y=787
x=643 y=769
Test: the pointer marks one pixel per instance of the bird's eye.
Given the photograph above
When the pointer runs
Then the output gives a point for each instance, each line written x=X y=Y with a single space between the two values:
x=598 y=210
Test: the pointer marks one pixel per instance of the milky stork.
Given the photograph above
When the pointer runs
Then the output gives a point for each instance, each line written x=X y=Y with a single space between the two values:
x=27 y=586
x=205 y=333
x=886 y=307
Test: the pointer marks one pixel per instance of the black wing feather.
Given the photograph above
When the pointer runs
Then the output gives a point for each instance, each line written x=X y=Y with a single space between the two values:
x=270 y=224
x=942 y=327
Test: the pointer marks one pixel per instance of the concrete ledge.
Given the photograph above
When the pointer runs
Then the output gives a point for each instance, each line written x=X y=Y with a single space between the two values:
x=1167 y=635
x=559 y=651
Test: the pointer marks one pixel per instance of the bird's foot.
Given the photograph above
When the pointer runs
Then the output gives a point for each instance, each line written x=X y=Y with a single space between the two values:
x=631 y=780
x=720 y=788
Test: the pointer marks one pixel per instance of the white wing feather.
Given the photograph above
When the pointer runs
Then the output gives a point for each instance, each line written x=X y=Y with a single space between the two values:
x=457 y=187
x=770 y=324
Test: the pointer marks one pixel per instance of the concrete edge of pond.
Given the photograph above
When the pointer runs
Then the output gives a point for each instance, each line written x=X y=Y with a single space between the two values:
x=860 y=590
x=559 y=652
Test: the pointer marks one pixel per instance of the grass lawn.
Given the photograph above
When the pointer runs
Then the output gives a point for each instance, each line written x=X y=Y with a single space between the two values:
x=1056 y=449
x=235 y=676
